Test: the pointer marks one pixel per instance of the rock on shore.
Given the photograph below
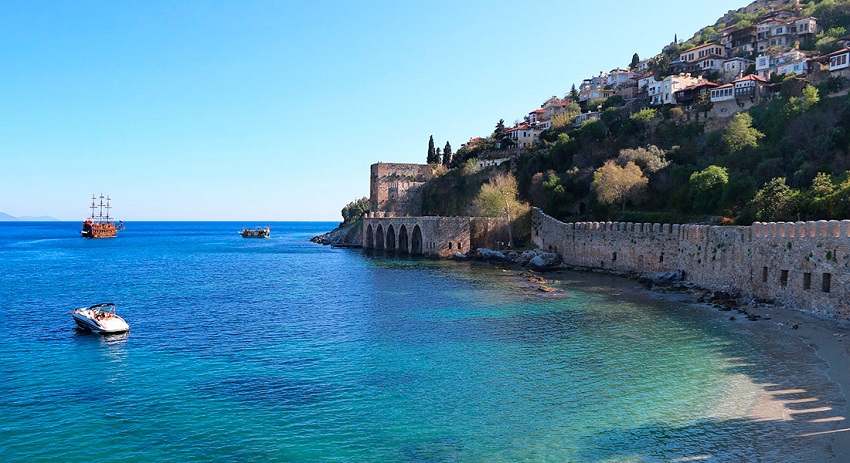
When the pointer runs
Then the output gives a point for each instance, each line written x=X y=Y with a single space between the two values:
x=345 y=234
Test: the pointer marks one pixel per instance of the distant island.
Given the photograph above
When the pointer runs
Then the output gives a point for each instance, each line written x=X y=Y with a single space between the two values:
x=10 y=218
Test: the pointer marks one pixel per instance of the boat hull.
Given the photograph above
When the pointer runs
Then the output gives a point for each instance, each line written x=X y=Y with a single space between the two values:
x=256 y=232
x=113 y=325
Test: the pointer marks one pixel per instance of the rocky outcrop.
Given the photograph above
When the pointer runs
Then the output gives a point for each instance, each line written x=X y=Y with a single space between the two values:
x=350 y=235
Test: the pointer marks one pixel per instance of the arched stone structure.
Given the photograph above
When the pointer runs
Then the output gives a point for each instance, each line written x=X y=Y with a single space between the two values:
x=379 y=238
x=391 y=238
x=416 y=240
x=402 y=240
x=369 y=238
x=432 y=236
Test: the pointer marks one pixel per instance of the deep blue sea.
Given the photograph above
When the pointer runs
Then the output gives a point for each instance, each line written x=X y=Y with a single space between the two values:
x=281 y=350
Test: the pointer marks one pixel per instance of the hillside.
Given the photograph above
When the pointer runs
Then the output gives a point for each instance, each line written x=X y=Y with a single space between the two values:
x=780 y=153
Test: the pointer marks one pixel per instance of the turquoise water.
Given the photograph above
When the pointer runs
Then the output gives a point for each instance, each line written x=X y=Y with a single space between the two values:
x=282 y=350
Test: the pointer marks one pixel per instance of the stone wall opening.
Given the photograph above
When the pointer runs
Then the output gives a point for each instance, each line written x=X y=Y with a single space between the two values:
x=416 y=240
x=369 y=241
x=402 y=240
x=807 y=280
x=783 y=278
x=827 y=282
x=764 y=274
x=390 y=238
x=379 y=238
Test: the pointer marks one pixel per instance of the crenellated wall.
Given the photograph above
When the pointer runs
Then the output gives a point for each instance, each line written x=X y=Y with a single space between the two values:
x=431 y=236
x=802 y=264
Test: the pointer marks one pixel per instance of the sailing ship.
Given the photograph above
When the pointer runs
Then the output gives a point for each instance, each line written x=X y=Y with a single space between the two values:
x=100 y=226
x=258 y=232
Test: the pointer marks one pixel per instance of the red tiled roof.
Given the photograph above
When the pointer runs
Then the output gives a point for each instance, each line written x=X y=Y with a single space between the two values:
x=537 y=111
x=725 y=86
x=701 y=84
x=751 y=77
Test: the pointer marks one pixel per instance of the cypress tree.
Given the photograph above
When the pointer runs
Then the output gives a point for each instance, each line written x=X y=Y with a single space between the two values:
x=432 y=153
x=574 y=93
x=635 y=60
x=447 y=154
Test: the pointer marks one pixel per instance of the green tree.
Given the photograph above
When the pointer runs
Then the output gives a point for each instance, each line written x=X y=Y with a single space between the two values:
x=704 y=104
x=635 y=61
x=741 y=134
x=614 y=184
x=707 y=187
x=573 y=95
x=650 y=159
x=447 y=154
x=355 y=210
x=774 y=201
x=499 y=197
x=432 y=152
x=500 y=134
x=811 y=97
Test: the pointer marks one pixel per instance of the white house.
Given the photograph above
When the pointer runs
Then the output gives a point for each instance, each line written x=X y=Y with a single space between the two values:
x=644 y=81
x=784 y=31
x=839 y=62
x=748 y=86
x=619 y=77
x=703 y=51
x=723 y=93
x=523 y=134
x=664 y=92
x=735 y=67
x=789 y=62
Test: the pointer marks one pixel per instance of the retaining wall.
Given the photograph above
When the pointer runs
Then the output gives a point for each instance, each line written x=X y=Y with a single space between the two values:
x=801 y=264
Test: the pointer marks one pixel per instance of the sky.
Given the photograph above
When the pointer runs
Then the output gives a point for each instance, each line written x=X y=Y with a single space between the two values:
x=274 y=110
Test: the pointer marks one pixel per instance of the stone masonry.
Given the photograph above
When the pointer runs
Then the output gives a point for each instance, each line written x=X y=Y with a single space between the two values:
x=431 y=236
x=805 y=265
x=397 y=188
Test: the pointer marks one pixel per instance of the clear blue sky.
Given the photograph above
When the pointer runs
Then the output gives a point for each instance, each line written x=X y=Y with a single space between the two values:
x=274 y=110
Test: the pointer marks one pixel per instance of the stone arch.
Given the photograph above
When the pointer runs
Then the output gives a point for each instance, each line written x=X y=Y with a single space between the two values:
x=402 y=240
x=379 y=238
x=416 y=240
x=369 y=239
x=390 y=238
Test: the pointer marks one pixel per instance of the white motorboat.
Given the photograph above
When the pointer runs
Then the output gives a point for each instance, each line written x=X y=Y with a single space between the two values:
x=100 y=318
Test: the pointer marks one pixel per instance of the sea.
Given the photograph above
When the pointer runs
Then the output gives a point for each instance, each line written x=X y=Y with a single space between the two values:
x=281 y=350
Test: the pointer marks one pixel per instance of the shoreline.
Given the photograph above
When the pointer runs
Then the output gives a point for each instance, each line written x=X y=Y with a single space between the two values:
x=827 y=338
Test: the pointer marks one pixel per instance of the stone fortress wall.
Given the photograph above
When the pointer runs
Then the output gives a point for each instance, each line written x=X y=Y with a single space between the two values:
x=397 y=188
x=395 y=223
x=805 y=265
x=431 y=236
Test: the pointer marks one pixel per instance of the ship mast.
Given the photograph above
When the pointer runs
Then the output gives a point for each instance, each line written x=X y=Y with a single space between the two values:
x=107 y=208
x=100 y=213
x=92 y=206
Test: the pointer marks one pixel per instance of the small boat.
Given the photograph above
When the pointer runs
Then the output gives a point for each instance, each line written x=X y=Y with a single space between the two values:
x=100 y=226
x=258 y=232
x=100 y=318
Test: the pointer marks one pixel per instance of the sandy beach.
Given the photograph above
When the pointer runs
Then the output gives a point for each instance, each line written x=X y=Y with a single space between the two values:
x=819 y=422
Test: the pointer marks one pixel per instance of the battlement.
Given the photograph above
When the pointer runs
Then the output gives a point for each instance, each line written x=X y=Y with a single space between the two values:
x=783 y=261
